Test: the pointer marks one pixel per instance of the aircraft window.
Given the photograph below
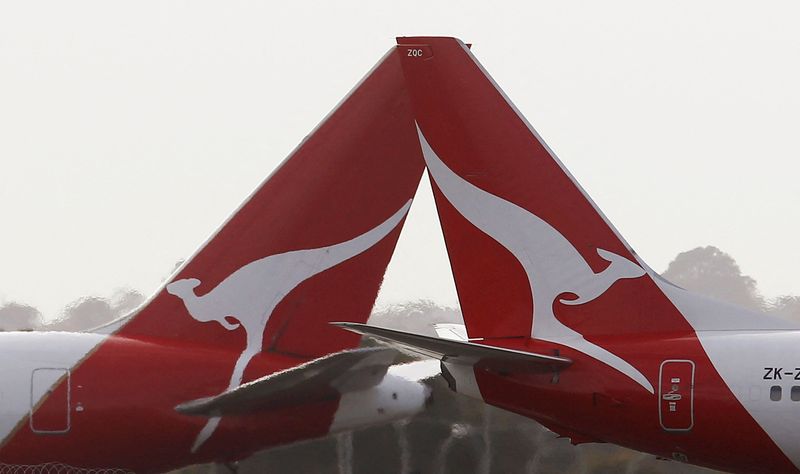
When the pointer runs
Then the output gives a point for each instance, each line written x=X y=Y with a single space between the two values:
x=796 y=394
x=775 y=393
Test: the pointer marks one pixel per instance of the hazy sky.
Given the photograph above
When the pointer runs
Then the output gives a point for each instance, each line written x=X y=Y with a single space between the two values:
x=130 y=130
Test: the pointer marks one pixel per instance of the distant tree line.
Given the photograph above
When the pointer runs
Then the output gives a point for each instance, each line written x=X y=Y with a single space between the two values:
x=83 y=314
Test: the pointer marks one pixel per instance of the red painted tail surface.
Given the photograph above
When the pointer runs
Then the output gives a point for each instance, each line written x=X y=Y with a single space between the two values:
x=520 y=232
x=311 y=244
x=533 y=256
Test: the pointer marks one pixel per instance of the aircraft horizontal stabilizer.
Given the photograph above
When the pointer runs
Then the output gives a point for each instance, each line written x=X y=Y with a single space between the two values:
x=465 y=352
x=325 y=377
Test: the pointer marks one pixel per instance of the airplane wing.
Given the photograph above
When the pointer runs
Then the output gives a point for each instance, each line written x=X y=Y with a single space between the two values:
x=465 y=352
x=329 y=376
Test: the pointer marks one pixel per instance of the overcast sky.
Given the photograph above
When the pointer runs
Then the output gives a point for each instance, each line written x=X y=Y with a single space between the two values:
x=130 y=130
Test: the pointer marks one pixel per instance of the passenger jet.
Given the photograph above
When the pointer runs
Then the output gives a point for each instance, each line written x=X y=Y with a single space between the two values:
x=565 y=323
x=235 y=354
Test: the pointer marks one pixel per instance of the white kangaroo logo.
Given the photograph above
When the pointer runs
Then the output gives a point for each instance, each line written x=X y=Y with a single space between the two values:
x=251 y=293
x=548 y=258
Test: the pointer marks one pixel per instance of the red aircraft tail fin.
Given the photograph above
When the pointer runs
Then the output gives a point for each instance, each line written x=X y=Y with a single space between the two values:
x=520 y=231
x=311 y=244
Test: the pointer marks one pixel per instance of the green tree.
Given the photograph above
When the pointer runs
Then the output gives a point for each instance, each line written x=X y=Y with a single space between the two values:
x=19 y=317
x=712 y=272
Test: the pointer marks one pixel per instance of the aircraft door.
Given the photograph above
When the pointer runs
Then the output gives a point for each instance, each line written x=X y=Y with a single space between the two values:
x=676 y=395
x=50 y=401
